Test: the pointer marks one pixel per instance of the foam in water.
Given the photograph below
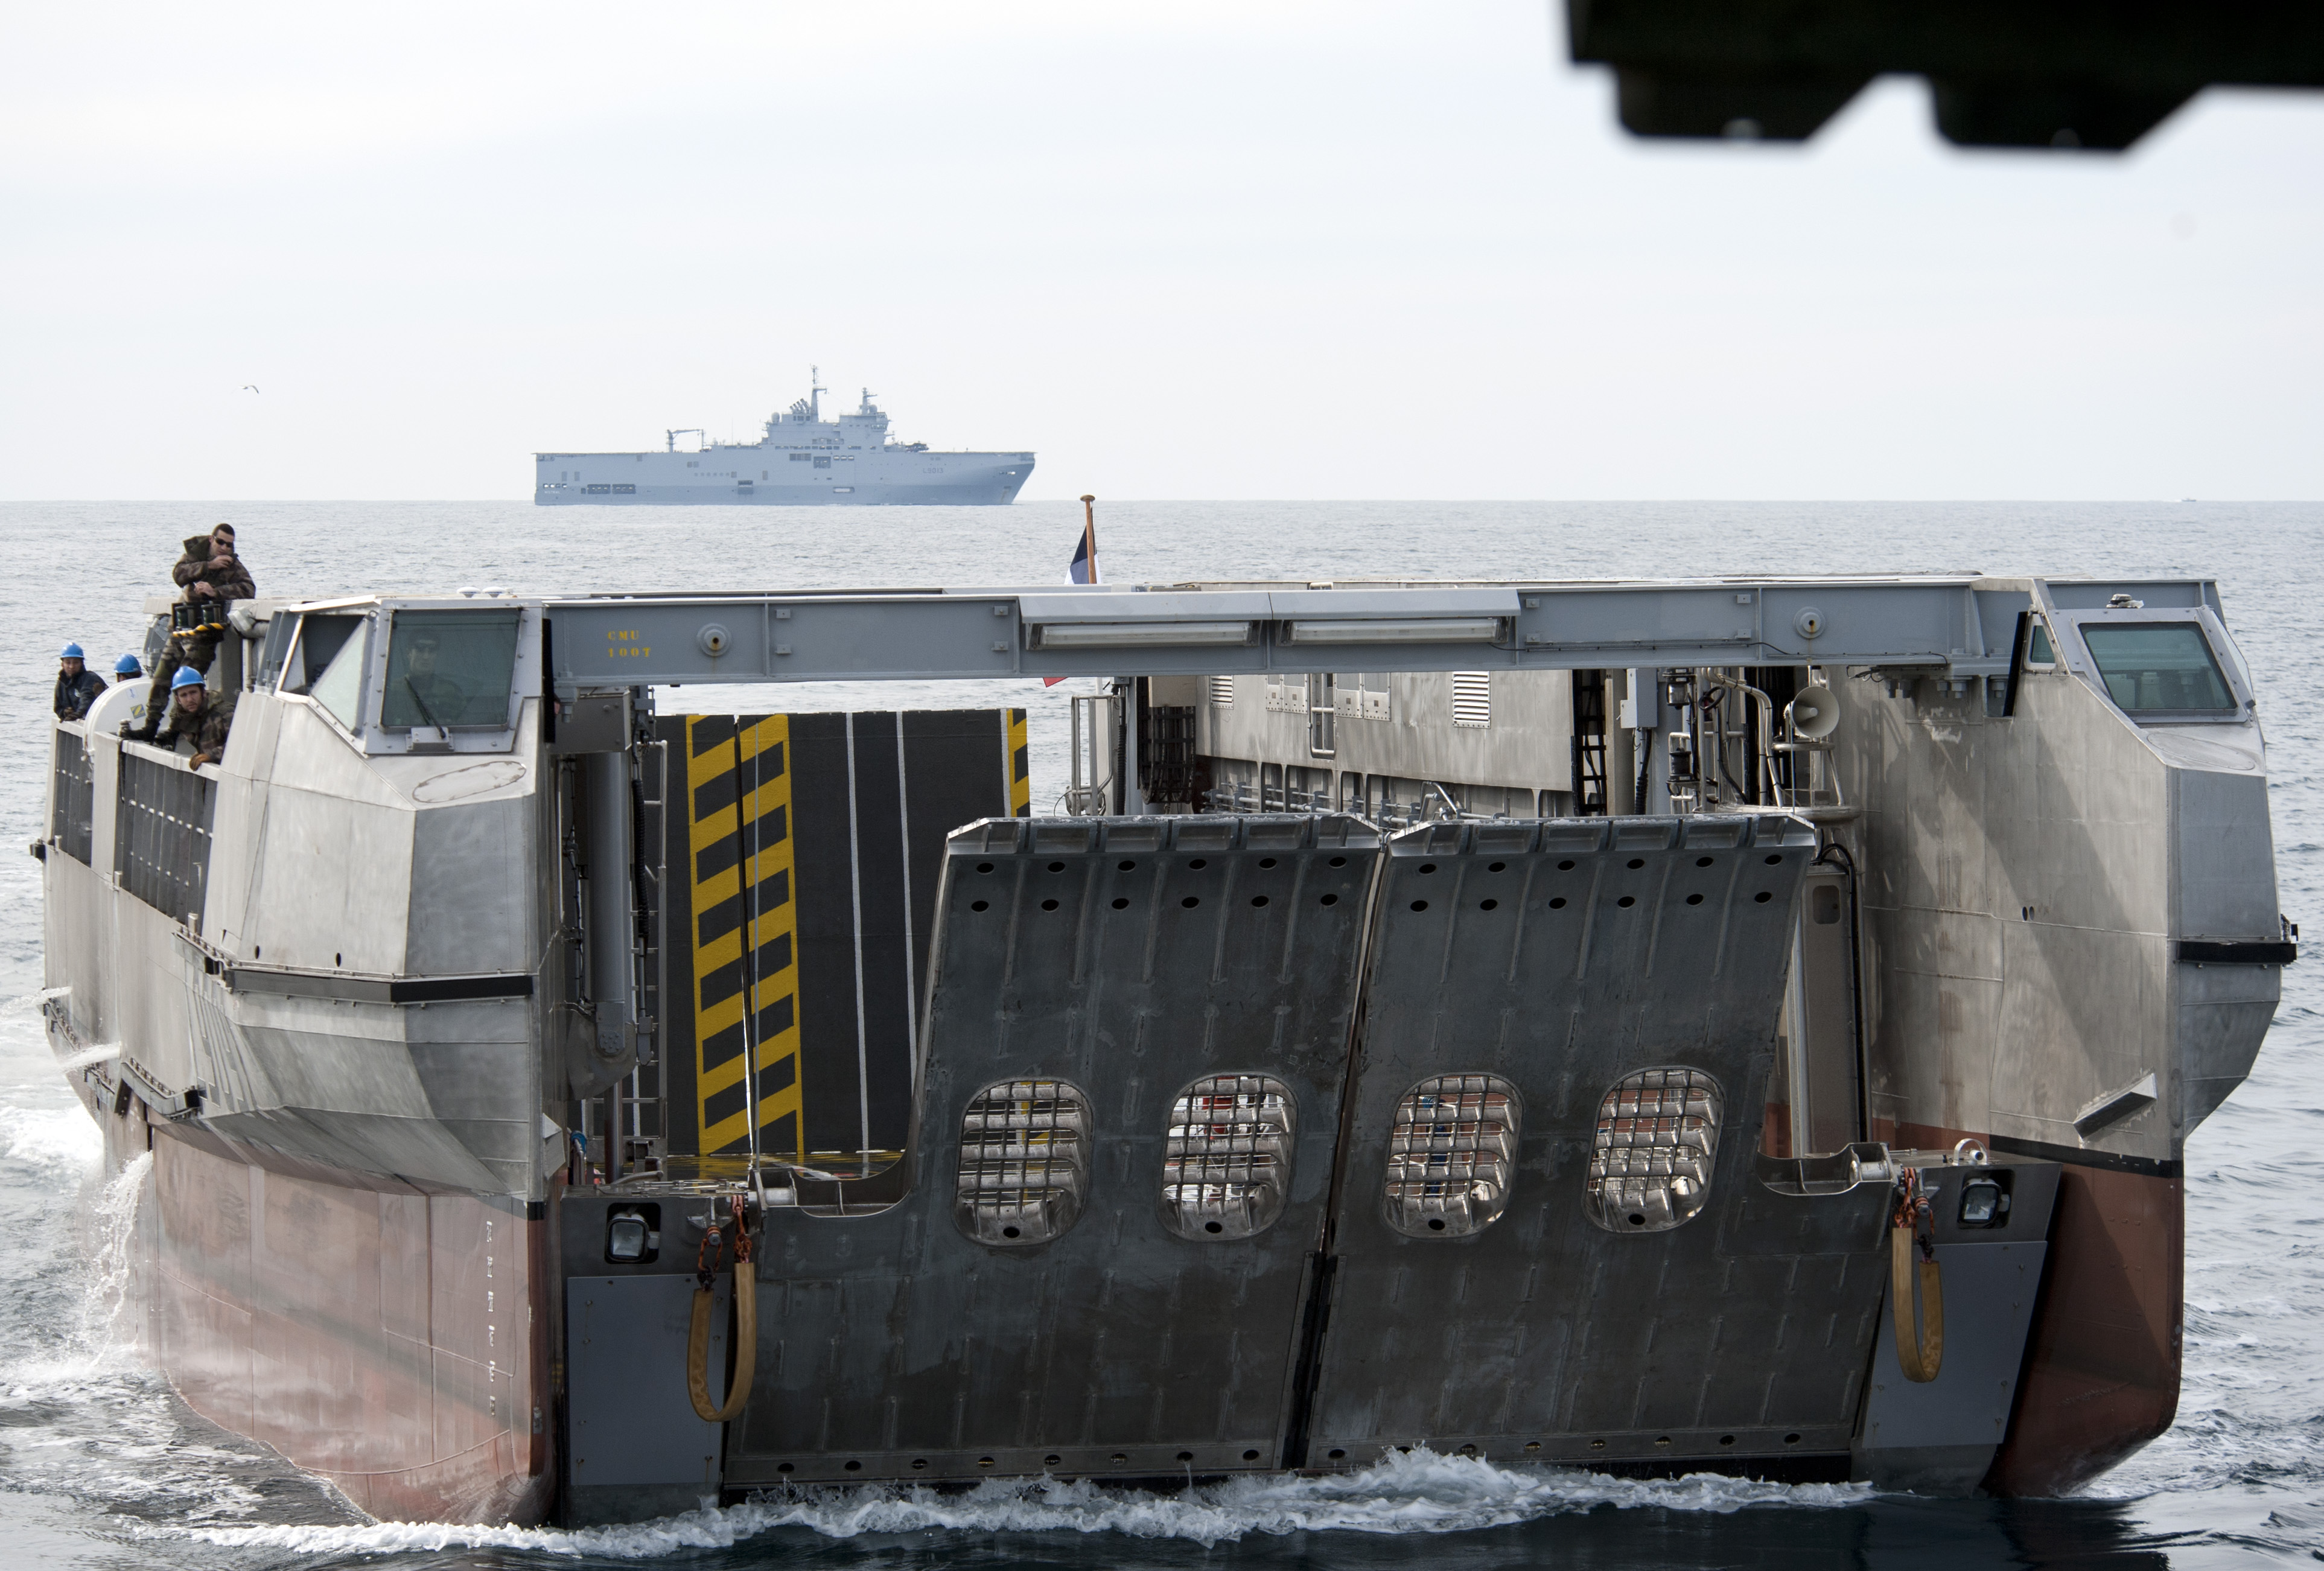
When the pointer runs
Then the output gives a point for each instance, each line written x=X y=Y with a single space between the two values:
x=59 y=1143
x=1417 y=1491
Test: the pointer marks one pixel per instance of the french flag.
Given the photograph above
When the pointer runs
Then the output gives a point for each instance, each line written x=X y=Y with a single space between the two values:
x=1083 y=569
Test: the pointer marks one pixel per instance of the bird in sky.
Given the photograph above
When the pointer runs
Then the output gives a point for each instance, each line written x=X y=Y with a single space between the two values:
x=247 y=387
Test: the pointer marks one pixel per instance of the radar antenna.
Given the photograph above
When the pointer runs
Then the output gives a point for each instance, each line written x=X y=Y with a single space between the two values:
x=867 y=409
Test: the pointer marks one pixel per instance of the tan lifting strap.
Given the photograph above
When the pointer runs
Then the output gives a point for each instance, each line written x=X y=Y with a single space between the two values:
x=1922 y=1354
x=746 y=1326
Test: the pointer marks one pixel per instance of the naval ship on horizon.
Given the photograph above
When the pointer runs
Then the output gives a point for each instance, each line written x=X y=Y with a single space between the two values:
x=802 y=461
x=1744 y=1024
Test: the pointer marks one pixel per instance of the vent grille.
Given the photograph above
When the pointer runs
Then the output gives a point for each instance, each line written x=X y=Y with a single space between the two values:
x=1226 y=1159
x=1024 y=1162
x=1650 y=1163
x=1449 y=1153
x=1223 y=691
x=1472 y=699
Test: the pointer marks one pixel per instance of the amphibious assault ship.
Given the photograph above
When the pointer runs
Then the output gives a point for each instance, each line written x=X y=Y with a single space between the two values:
x=1747 y=1025
x=802 y=461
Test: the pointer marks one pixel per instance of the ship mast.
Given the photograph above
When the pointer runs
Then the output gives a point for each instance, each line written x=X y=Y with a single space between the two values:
x=815 y=391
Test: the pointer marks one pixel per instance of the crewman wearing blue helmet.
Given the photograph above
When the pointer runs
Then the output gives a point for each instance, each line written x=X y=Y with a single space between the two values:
x=198 y=718
x=126 y=670
x=77 y=685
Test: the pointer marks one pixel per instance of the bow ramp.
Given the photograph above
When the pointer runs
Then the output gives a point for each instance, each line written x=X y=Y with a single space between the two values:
x=1259 y=1142
x=1136 y=1043
x=1615 y=1282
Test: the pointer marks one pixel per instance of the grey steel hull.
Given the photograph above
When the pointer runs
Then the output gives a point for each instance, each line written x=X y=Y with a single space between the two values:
x=967 y=495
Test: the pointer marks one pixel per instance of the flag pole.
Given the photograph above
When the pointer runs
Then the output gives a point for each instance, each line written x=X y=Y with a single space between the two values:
x=1083 y=569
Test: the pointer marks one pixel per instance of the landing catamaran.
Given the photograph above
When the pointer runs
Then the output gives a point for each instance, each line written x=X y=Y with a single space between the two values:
x=1737 y=1024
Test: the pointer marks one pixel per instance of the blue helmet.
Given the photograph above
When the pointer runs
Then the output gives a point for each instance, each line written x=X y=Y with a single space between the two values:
x=187 y=677
x=127 y=666
x=71 y=652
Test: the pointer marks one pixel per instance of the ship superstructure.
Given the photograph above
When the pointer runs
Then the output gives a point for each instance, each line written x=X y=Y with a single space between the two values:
x=801 y=460
x=1607 y=1025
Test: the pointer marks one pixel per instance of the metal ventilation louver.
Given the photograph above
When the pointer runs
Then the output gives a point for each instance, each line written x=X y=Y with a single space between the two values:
x=1472 y=699
x=1650 y=1163
x=1226 y=1158
x=1024 y=1162
x=1450 y=1155
x=1221 y=691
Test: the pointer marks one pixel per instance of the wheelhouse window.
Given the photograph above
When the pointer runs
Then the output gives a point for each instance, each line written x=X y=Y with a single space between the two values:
x=2158 y=668
x=2039 y=655
x=326 y=662
x=447 y=670
x=320 y=636
x=339 y=689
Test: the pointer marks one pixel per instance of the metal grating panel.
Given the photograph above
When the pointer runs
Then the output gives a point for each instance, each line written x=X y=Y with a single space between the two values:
x=1650 y=1160
x=1450 y=1151
x=1226 y=1158
x=1024 y=1162
x=1472 y=699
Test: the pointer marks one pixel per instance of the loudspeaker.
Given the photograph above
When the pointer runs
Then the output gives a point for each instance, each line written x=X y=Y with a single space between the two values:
x=1815 y=713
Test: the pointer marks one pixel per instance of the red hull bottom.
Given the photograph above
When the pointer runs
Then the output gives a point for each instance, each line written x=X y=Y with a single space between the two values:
x=387 y=1340
x=2102 y=1358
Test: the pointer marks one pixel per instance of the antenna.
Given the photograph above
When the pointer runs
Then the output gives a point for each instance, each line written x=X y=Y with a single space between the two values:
x=867 y=408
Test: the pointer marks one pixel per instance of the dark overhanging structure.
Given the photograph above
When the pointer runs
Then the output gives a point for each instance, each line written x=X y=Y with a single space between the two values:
x=2088 y=74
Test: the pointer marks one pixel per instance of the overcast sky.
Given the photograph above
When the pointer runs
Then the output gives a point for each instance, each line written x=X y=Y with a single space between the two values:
x=1182 y=250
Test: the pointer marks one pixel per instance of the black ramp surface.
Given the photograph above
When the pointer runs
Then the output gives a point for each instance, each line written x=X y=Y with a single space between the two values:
x=828 y=841
x=1562 y=956
x=1126 y=957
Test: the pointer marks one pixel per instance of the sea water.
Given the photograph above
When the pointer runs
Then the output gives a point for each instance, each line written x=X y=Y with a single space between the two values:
x=101 y=1466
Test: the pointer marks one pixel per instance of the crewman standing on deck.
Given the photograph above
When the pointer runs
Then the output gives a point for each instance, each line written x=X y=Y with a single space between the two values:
x=77 y=685
x=197 y=717
x=126 y=670
x=212 y=575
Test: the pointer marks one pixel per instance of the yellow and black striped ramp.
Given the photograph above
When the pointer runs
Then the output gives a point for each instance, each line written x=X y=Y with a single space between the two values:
x=744 y=933
x=1020 y=764
x=835 y=825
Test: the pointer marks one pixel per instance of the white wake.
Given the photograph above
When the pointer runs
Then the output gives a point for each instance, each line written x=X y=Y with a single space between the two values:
x=1417 y=1491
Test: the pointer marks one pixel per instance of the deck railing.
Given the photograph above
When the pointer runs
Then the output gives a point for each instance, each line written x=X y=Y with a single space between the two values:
x=161 y=833
x=72 y=812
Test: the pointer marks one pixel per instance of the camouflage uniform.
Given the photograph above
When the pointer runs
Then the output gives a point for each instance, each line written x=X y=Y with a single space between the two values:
x=206 y=729
x=197 y=648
